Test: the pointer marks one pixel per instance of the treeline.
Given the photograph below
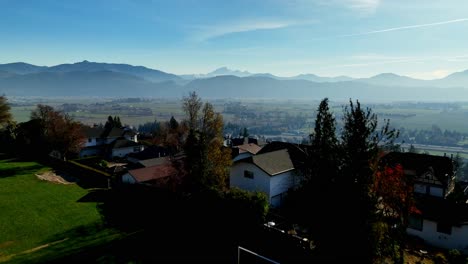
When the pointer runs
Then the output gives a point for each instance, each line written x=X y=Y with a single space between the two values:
x=433 y=136
x=106 y=108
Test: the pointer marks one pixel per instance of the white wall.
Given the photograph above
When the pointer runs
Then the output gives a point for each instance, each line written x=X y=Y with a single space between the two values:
x=88 y=152
x=127 y=178
x=260 y=182
x=436 y=191
x=433 y=190
x=419 y=188
x=281 y=183
x=89 y=144
x=457 y=240
x=121 y=152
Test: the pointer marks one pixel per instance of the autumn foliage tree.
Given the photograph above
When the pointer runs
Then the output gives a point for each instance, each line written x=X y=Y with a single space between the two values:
x=5 y=115
x=7 y=127
x=393 y=193
x=50 y=130
x=207 y=159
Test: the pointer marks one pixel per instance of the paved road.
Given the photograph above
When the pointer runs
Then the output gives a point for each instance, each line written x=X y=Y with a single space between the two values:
x=437 y=148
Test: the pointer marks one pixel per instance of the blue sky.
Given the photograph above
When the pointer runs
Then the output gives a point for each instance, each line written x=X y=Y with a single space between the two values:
x=358 y=38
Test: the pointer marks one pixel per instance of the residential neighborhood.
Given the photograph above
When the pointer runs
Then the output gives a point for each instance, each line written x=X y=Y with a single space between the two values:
x=264 y=190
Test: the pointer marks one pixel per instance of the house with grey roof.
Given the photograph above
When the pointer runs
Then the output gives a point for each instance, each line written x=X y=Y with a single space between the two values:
x=114 y=142
x=273 y=173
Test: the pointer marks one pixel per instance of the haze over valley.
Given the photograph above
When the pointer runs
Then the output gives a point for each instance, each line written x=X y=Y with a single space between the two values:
x=122 y=80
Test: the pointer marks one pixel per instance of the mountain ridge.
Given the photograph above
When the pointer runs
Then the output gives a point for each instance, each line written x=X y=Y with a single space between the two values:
x=124 y=80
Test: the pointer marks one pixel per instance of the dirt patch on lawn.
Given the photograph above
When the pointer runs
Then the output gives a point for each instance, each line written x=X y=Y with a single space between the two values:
x=56 y=177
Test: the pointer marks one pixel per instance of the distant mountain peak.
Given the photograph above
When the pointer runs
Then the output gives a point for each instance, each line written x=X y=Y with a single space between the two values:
x=386 y=74
x=226 y=71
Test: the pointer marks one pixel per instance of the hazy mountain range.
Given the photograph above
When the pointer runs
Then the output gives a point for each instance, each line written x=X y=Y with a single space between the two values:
x=124 y=80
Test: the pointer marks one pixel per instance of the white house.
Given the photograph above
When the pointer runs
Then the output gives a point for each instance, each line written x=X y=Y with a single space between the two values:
x=441 y=223
x=272 y=173
x=438 y=221
x=100 y=141
x=431 y=175
x=122 y=146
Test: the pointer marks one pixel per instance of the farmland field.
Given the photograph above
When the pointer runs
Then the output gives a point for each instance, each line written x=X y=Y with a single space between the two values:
x=409 y=115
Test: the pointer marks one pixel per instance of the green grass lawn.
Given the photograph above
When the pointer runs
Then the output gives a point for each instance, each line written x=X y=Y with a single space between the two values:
x=37 y=218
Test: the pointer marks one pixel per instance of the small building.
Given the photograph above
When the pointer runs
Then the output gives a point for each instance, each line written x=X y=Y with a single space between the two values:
x=273 y=173
x=114 y=142
x=431 y=175
x=441 y=223
x=122 y=147
x=150 y=175
x=165 y=172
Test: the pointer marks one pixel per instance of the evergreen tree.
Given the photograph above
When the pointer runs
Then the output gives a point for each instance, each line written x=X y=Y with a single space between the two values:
x=173 y=124
x=245 y=132
x=324 y=157
x=360 y=145
x=117 y=122
x=109 y=123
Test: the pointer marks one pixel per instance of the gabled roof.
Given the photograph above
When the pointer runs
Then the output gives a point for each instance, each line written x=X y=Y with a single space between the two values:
x=93 y=132
x=153 y=173
x=115 y=132
x=154 y=162
x=251 y=148
x=123 y=143
x=421 y=163
x=442 y=210
x=275 y=162
x=297 y=152
x=101 y=132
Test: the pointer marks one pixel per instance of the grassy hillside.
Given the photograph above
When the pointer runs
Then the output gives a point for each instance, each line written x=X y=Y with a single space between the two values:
x=39 y=218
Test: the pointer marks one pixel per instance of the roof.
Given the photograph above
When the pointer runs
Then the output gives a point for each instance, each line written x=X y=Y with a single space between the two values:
x=154 y=161
x=123 y=143
x=275 y=162
x=421 y=163
x=153 y=173
x=93 y=132
x=101 y=132
x=251 y=148
x=442 y=210
x=297 y=152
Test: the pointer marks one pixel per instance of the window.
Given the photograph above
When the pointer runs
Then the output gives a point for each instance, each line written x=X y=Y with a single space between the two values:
x=444 y=228
x=90 y=139
x=415 y=222
x=248 y=174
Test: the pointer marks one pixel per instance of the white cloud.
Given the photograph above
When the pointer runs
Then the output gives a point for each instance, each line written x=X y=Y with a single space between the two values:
x=407 y=27
x=203 y=33
x=361 y=6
